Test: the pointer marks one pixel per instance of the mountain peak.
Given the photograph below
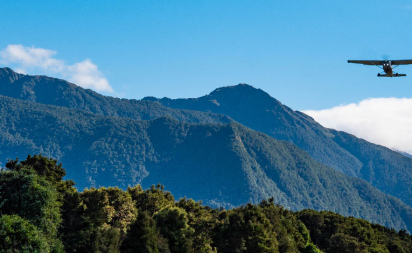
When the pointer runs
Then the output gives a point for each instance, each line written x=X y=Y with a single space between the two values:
x=243 y=95
x=9 y=75
x=6 y=70
x=241 y=87
x=236 y=98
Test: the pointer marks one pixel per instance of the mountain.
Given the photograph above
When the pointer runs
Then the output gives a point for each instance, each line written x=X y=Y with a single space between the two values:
x=121 y=155
x=403 y=153
x=258 y=110
x=223 y=165
x=53 y=91
x=387 y=170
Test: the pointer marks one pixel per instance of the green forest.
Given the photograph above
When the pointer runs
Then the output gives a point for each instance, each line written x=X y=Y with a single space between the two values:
x=223 y=165
x=42 y=212
x=194 y=147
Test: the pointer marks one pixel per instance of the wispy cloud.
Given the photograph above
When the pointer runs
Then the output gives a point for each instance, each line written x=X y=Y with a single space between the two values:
x=384 y=121
x=25 y=59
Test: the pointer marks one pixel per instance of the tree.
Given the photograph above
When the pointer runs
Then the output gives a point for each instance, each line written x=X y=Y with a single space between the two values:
x=172 y=223
x=245 y=229
x=48 y=168
x=32 y=198
x=142 y=235
x=43 y=166
x=19 y=235
x=311 y=248
x=106 y=239
x=107 y=213
x=202 y=220
x=123 y=208
x=76 y=229
x=341 y=243
x=152 y=200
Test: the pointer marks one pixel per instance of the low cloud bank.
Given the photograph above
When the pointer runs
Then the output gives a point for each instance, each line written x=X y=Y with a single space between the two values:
x=384 y=121
x=25 y=59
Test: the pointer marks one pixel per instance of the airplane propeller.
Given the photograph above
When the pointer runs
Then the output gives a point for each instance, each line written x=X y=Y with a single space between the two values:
x=385 y=57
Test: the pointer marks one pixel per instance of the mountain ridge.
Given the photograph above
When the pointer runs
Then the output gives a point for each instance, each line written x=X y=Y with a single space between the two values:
x=223 y=165
x=269 y=116
x=388 y=170
x=53 y=91
x=107 y=149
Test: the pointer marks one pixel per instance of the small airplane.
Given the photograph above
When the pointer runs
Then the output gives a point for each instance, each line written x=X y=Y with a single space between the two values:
x=387 y=66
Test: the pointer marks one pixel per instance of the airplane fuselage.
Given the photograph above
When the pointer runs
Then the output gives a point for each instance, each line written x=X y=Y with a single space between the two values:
x=387 y=67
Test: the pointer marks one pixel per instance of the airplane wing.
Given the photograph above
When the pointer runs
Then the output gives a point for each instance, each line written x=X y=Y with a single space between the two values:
x=401 y=62
x=366 y=62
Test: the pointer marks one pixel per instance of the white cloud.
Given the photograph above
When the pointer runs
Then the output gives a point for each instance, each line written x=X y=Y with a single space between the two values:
x=384 y=121
x=25 y=59
x=87 y=74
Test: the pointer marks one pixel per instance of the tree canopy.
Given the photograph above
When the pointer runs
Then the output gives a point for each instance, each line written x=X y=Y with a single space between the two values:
x=38 y=217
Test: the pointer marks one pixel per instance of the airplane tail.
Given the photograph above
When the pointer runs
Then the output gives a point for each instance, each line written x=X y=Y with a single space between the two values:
x=394 y=75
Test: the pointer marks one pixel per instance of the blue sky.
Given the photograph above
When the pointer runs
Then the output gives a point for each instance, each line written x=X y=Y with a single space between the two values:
x=297 y=51
x=294 y=50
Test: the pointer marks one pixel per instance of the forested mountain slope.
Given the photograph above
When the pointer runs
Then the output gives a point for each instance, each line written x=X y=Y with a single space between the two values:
x=225 y=165
x=53 y=91
x=386 y=169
